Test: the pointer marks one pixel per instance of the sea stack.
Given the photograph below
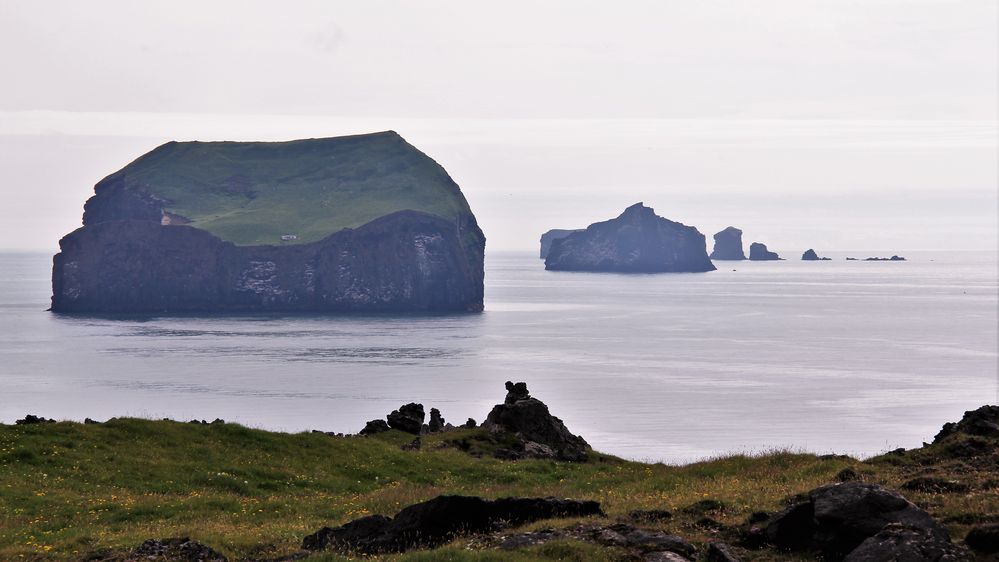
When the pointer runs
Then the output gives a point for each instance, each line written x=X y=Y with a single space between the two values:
x=638 y=241
x=358 y=223
x=810 y=255
x=759 y=252
x=551 y=236
x=728 y=245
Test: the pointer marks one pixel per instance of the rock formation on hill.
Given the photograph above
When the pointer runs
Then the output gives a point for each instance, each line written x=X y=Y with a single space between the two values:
x=637 y=241
x=360 y=223
x=728 y=245
x=551 y=236
x=759 y=252
x=810 y=255
x=528 y=418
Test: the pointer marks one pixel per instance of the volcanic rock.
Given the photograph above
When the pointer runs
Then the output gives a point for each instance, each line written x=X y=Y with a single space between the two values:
x=983 y=422
x=897 y=543
x=984 y=539
x=551 y=236
x=375 y=426
x=408 y=418
x=637 y=241
x=810 y=255
x=728 y=245
x=434 y=522
x=529 y=419
x=759 y=252
x=836 y=518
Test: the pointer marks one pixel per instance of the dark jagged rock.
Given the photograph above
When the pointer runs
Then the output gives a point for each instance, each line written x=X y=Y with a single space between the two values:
x=984 y=539
x=649 y=515
x=759 y=252
x=893 y=258
x=983 y=422
x=637 y=241
x=174 y=550
x=414 y=445
x=551 y=236
x=408 y=418
x=643 y=544
x=704 y=507
x=897 y=543
x=935 y=484
x=721 y=552
x=88 y=421
x=728 y=245
x=810 y=255
x=32 y=419
x=470 y=424
x=436 y=423
x=434 y=522
x=135 y=254
x=848 y=474
x=529 y=419
x=375 y=426
x=837 y=518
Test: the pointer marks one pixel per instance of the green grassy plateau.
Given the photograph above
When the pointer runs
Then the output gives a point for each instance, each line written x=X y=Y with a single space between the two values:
x=254 y=192
x=68 y=490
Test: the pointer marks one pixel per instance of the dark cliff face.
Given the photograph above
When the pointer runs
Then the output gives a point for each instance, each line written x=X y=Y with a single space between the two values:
x=728 y=245
x=551 y=236
x=759 y=252
x=406 y=261
x=637 y=241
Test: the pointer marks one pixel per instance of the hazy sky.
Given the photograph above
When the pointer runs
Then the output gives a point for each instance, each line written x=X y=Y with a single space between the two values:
x=838 y=125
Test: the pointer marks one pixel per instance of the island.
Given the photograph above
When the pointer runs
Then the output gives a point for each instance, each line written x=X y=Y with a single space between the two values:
x=637 y=241
x=810 y=255
x=893 y=258
x=728 y=245
x=551 y=236
x=759 y=252
x=355 y=223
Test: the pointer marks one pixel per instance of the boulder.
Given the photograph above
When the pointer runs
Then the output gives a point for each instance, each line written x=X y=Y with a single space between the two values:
x=375 y=426
x=983 y=422
x=984 y=539
x=637 y=241
x=470 y=424
x=529 y=419
x=836 y=518
x=173 y=550
x=721 y=552
x=551 y=236
x=810 y=255
x=649 y=515
x=408 y=418
x=32 y=419
x=436 y=423
x=759 y=252
x=898 y=543
x=935 y=485
x=434 y=522
x=728 y=245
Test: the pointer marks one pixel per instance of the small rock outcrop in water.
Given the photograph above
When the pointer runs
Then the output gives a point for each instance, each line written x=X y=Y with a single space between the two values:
x=893 y=258
x=637 y=241
x=408 y=418
x=401 y=236
x=728 y=245
x=529 y=419
x=837 y=518
x=759 y=252
x=434 y=522
x=810 y=255
x=551 y=236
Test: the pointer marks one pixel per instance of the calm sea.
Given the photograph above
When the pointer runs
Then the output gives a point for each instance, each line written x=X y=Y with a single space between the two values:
x=850 y=357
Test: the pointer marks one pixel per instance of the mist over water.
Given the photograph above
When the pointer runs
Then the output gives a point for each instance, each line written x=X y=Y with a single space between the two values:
x=849 y=357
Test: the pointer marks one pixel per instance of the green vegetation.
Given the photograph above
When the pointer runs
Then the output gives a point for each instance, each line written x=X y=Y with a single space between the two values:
x=68 y=489
x=255 y=192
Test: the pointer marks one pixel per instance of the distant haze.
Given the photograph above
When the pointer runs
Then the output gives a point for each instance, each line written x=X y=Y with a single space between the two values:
x=838 y=125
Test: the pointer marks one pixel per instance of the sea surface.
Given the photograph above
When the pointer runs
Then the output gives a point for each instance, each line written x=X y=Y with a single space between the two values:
x=840 y=356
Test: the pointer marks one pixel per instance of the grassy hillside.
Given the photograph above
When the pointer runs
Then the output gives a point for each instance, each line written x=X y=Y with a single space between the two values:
x=69 y=489
x=255 y=192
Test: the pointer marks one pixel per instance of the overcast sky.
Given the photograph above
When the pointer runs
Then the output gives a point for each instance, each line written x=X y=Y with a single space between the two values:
x=839 y=125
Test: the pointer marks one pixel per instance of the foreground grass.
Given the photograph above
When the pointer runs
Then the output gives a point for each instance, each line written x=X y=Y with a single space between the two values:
x=67 y=489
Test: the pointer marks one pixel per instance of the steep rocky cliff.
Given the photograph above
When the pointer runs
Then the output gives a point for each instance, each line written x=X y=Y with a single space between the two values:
x=728 y=245
x=638 y=241
x=165 y=235
x=551 y=236
x=759 y=252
